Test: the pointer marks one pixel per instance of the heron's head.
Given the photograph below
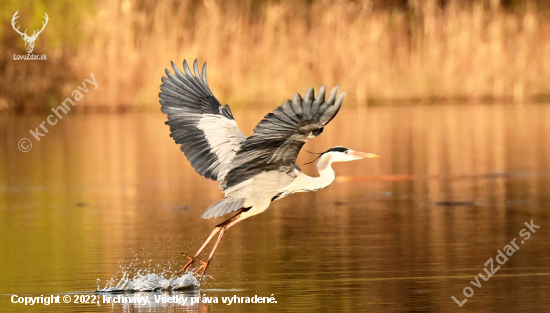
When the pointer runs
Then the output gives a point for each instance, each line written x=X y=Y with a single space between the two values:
x=343 y=154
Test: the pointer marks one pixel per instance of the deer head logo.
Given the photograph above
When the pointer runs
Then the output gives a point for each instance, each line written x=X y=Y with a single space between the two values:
x=29 y=41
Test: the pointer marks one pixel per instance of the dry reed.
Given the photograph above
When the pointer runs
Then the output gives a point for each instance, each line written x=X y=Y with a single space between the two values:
x=263 y=54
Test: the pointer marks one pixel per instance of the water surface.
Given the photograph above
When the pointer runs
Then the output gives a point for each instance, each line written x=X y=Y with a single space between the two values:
x=100 y=195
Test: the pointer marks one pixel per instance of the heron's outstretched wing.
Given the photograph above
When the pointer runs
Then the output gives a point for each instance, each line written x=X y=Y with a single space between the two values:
x=278 y=138
x=207 y=132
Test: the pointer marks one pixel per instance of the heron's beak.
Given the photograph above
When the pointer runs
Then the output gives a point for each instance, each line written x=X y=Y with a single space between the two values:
x=363 y=155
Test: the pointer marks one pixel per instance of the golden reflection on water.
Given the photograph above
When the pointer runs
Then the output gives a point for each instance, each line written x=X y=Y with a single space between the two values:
x=404 y=232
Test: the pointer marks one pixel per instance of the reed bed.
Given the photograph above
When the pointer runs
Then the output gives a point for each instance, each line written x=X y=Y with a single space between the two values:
x=260 y=53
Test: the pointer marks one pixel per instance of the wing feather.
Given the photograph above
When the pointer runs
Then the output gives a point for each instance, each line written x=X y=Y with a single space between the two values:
x=207 y=132
x=278 y=138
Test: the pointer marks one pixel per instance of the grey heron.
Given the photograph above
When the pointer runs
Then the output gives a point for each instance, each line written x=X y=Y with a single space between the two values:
x=252 y=172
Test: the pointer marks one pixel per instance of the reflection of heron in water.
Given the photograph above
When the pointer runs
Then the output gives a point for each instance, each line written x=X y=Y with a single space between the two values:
x=252 y=171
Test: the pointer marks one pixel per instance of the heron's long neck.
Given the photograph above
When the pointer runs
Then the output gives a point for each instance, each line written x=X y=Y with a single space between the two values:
x=326 y=173
x=304 y=183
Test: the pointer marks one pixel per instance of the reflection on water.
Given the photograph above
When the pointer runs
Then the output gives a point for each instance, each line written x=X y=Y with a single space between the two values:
x=402 y=233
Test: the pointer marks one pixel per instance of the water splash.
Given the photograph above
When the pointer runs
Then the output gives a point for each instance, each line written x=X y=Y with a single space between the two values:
x=150 y=282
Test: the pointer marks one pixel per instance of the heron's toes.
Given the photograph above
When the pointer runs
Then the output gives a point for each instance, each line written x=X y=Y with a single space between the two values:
x=190 y=263
x=203 y=267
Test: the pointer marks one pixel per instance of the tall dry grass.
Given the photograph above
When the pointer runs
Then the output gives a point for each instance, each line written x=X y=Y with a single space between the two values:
x=263 y=53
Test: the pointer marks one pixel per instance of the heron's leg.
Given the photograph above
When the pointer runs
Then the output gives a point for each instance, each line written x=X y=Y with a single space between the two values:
x=192 y=260
x=228 y=224
x=216 y=229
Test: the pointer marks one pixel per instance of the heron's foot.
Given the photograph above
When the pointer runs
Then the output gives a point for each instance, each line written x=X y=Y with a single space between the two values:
x=192 y=261
x=204 y=266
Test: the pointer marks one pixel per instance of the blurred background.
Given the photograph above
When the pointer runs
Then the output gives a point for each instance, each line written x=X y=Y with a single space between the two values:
x=455 y=96
x=384 y=51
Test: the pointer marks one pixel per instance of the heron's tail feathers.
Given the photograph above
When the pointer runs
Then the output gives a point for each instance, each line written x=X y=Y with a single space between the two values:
x=225 y=206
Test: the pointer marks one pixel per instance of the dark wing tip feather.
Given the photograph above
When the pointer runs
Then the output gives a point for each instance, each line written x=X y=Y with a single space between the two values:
x=186 y=68
x=204 y=73
x=340 y=99
x=310 y=93
x=297 y=105
x=321 y=95
x=307 y=103
x=332 y=95
x=196 y=69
